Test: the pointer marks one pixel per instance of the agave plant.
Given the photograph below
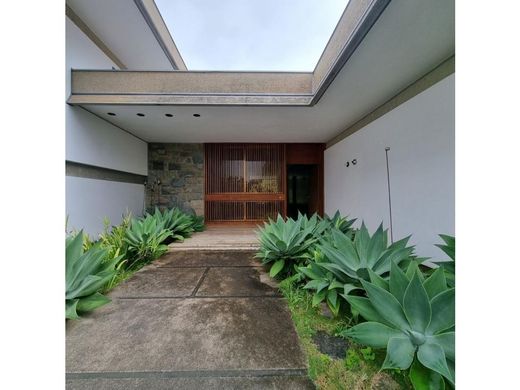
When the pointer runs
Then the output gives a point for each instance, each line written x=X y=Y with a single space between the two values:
x=314 y=224
x=414 y=319
x=324 y=283
x=284 y=243
x=340 y=223
x=144 y=238
x=448 y=266
x=197 y=223
x=179 y=223
x=353 y=259
x=87 y=272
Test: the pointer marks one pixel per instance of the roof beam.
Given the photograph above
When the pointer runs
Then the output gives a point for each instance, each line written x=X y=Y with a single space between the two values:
x=206 y=88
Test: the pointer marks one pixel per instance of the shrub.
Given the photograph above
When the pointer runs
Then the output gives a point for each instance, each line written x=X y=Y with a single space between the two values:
x=87 y=272
x=285 y=243
x=414 y=319
x=113 y=239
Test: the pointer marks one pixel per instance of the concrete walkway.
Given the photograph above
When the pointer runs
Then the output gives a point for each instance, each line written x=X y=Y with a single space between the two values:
x=192 y=320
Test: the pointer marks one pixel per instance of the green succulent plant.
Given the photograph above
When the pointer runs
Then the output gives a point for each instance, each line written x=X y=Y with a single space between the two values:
x=352 y=260
x=86 y=274
x=285 y=243
x=179 y=223
x=316 y=224
x=342 y=224
x=325 y=285
x=197 y=223
x=144 y=238
x=449 y=266
x=414 y=319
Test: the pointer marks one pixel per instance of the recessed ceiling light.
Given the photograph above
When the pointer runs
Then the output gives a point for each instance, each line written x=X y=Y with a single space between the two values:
x=196 y=115
x=168 y=115
x=111 y=114
x=140 y=114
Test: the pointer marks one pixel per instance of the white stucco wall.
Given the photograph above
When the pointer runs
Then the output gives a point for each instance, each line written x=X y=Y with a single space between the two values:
x=90 y=200
x=89 y=139
x=93 y=141
x=421 y=137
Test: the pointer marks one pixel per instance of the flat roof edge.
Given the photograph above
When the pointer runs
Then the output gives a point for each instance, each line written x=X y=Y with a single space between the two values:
x=231 y=88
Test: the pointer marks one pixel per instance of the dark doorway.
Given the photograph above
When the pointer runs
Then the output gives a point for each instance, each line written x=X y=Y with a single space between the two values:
x=302 y=189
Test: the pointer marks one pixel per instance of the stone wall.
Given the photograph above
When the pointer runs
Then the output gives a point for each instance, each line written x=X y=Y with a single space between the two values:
x=180 y=169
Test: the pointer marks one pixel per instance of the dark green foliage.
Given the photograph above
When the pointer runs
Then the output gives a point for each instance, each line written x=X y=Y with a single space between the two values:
x=197 y=223
x=368 y=353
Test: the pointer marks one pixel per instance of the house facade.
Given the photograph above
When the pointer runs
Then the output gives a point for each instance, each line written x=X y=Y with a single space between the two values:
x=369 y=132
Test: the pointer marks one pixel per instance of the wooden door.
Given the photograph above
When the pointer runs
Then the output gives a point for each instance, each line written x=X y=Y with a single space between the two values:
x=244 y=183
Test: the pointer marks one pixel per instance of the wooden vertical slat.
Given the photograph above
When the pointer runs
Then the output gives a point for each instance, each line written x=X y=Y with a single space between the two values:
x=241 y=169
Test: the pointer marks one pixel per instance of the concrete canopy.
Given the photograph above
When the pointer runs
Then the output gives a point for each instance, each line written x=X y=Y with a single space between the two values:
x=377 y=50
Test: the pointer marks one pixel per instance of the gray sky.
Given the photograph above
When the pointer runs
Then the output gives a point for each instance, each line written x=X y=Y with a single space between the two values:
x=287 y=35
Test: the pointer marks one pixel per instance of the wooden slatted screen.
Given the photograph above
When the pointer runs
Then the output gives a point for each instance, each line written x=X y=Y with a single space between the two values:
x=244 y=182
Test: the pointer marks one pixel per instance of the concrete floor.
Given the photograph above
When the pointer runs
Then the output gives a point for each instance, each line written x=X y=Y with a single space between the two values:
x=193 y=319
x=221 y=238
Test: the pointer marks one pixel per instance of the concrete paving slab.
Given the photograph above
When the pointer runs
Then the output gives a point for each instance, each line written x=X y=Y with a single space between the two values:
x=207 y=259
x=159 y=282
x=243 y=383
x=138 y=335
x=239 y=281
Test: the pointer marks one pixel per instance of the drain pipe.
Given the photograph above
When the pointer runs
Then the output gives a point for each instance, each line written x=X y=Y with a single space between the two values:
x=387 y=149
x=144 y=196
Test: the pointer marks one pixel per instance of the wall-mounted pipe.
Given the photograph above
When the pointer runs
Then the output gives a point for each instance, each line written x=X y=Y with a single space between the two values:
x=387 y=149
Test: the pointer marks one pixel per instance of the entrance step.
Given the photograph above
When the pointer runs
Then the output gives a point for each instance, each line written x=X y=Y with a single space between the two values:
x=220 y=238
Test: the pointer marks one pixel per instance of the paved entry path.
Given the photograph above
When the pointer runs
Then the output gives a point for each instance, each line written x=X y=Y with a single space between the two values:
x=194 y=319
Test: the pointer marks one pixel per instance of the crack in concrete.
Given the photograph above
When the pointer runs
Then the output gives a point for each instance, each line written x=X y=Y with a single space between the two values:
x=199 y=283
